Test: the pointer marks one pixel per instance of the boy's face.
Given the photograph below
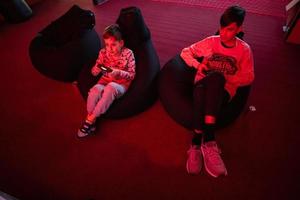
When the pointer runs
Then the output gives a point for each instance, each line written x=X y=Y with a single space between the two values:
x=113 y=46
x=228 y=33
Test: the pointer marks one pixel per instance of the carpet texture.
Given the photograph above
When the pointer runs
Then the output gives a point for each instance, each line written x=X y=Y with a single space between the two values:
x=143 y=157
x=267 y=7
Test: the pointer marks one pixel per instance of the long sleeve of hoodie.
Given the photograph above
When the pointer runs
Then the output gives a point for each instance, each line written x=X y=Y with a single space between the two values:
x=125 y=64
x=236 y=64
x=196 y=50
x=244 y=76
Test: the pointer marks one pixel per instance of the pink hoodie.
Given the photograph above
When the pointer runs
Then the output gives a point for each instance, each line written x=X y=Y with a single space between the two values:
x=235 y=63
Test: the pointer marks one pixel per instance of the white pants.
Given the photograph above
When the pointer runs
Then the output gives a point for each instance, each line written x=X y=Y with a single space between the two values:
x=101 y=97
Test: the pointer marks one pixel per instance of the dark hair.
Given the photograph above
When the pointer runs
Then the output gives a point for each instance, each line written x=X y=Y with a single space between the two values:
x=112 y=31
x=233 y=14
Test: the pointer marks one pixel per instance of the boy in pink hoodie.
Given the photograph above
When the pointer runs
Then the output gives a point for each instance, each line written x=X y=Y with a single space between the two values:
x=226 y=63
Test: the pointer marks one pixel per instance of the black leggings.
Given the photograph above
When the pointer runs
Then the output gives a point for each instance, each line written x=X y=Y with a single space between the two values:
x=209 y=96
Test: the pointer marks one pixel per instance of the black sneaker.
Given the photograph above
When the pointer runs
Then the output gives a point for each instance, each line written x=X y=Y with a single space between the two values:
x=86 y=129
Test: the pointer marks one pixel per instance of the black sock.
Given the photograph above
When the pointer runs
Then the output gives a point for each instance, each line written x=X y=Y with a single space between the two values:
x=197 y=138
x=209 y=134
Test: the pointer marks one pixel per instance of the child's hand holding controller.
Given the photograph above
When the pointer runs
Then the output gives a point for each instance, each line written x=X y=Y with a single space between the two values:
x=116 y=73
x=105 y=69
x=95 y=70
x=202 y=66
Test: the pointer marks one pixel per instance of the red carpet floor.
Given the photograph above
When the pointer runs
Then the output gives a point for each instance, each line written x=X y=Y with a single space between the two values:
x=266 y=7
x=143 y=157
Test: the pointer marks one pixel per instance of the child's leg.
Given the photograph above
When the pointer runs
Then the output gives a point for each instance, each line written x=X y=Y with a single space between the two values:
x=194 y=161
x=88 y=127
x=215 y=96
x=198 y=108
x=95 y=94
x=111 y=91
x=99 y=99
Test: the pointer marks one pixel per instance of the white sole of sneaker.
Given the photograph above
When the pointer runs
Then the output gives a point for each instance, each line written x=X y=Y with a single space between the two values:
x=208 y=171
x=189 y=171
x=81 y=134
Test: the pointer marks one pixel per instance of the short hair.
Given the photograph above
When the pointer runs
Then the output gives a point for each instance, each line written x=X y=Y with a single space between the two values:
x=112 y=31
x=233 y=14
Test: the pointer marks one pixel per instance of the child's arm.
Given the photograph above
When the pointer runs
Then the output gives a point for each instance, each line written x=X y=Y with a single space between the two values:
x=130 y=72
x=245 y=75
x=96 y=68
x=196 y=50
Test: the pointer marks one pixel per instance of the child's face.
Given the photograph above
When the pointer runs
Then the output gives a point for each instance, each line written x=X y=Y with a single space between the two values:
x=113 y=46
x=228 y=33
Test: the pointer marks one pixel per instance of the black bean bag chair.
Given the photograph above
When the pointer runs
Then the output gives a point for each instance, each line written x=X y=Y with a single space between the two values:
x=175 y=86
x=61 y=49
x=143 y=90
x=15 y=11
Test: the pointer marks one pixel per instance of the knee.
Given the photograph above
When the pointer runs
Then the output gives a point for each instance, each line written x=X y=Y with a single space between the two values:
x=199 y=85
x=216 y=77
x=94 y=91
x=110 y=89
x=198 y=90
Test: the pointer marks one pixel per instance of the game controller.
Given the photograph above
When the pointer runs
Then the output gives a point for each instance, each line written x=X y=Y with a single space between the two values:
x=105 y=69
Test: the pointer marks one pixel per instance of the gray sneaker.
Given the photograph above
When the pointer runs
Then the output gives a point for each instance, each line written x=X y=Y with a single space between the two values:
x=194 y=161
x=213 y=162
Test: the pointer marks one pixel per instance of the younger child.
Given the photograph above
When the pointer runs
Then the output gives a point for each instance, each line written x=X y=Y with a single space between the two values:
x=116 y=63
x=227 y=64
